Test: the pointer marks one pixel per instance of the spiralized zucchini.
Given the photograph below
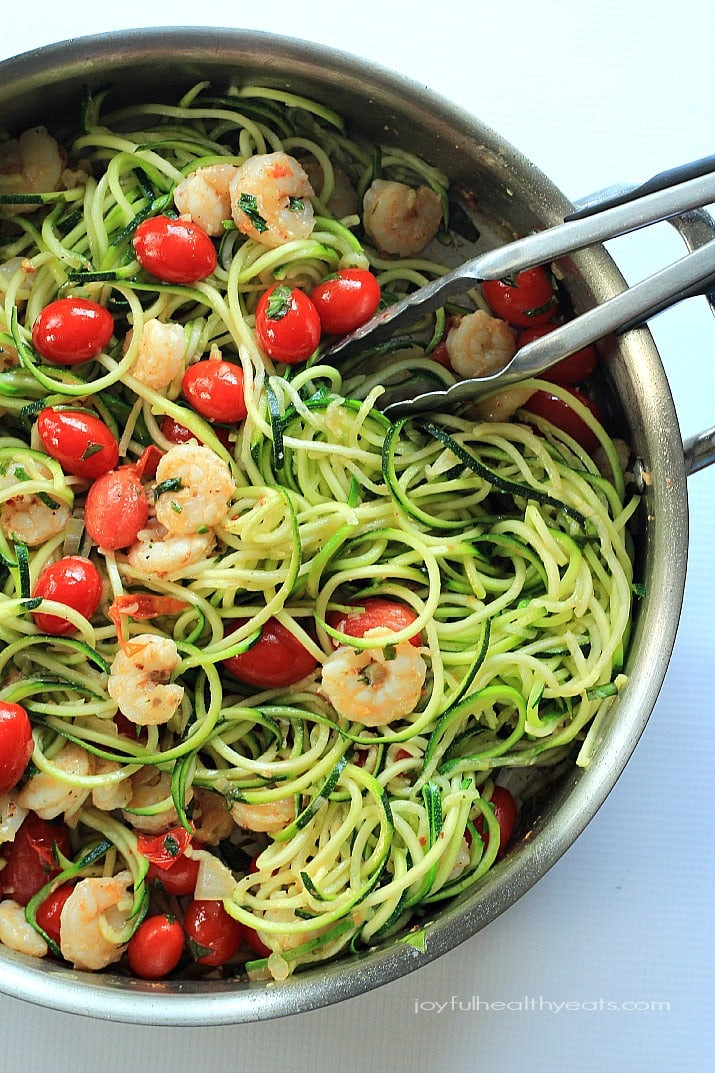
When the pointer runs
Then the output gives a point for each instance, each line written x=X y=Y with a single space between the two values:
x=504 y=539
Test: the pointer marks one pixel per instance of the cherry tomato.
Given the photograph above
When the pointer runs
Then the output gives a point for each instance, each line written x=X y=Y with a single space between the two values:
x=180 y=878
x=49 y=912
x=440 y=354
x=214 y=936
x=287 y=324
x=276 y=659
x=81 y=443
x=30 y=860
x=16 y=744
x=215 y=390
x=252 y=939
x=74 y=581
x=346 y=300
x=563 y=416
x=156 y=947
x=174 y=432
x=373 y=612
x=504 y=808
x=529 y=299
x=72 y=330
x=176 y=251
x=164 y=850
x=116 y=508
x=571 y=370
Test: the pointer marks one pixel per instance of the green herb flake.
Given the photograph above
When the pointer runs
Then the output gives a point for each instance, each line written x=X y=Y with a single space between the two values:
x=176 y=507
x=248 y=204
x=171 y=845
x=173 y=484
x=390 y=652
x=295 y=204
x=279 y=302
x=91 y=449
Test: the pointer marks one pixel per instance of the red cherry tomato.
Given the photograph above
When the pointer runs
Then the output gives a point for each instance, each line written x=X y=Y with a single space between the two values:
x=215 y=390
x=252 y=939
x=180 y=878
x=156 y=947
x=81 y=443
x=72 y=330
x=74 y=581
x=30 y=859
x=529 y=299
x=166 y=849
x=287 y=324
x=504 y=808
x=16 y=744
x=174 y=432
x=176 y=251
x=373 y=612
x=563 y=416
x=276 y=659
x=214 y=936
x=116 y=508
x=440 y=354
x=346 y=300
x=49 y=912
x=571 y=370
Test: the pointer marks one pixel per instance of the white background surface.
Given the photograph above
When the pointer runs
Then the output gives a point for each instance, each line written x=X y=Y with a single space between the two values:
x=593 y=94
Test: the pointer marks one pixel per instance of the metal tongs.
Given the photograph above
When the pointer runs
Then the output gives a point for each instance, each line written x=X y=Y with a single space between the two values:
x=666 y=195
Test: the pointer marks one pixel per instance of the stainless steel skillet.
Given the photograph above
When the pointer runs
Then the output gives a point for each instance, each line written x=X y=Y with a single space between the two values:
x=45 y=86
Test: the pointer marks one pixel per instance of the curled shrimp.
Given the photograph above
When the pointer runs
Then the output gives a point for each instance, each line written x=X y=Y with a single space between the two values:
x=203 y=489
x=479 y=344
x=267 y=817
x=159 y=554
x=149 y=787
x=211 y=818
x=110 y=795
x=399 y=218
x=28 y=517
x=50 y=797
x=374 y=686
x=30 y=164
x=205 y=196
x=96 y=906
x=139 y=679
x=269 y=199
x=17 y=933
x=160 y=359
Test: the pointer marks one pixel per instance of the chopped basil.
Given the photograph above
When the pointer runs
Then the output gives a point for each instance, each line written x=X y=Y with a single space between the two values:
x=295 y=204
x=248 y=204
x=390 y=652
x=171 y=845
x=279 y=302
x=173 y=484
x=176 y=507
x=91 y=449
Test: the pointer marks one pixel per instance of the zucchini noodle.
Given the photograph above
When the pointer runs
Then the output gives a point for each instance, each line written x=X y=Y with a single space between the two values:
x=503 y=539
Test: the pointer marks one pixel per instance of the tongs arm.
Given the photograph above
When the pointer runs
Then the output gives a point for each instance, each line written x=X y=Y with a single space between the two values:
x=661 y=201
x=692 y=274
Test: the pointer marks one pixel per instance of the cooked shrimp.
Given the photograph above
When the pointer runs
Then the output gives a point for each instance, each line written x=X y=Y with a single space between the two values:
x=157 y=553
x=281 y=942
x=399 y=218
x=205 y=489
x=161 y=354
x=8 y=356
x=204 y=195
x=479 y=344
x=8 y=271
x=211 y=817
x=139 y=677
x=96 y=906
x=17 y=933
x=374 y=686
x=269 y=199
x=11 y=817
x=503 y=405
x=270 y=816
x=49 y=797
x=150 y=786
x=111 y=795
x=27 y=517
x=30 y=164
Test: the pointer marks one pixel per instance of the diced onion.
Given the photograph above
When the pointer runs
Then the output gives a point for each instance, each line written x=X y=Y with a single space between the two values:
x=73 y=536
x=11 y=817
x=214 y=881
